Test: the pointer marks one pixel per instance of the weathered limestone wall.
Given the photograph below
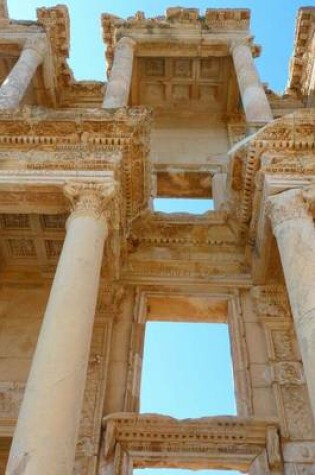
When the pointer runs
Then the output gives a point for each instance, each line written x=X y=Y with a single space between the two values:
x=263 y=402
x=117 y=388
x=277 y=376
x=188 y=144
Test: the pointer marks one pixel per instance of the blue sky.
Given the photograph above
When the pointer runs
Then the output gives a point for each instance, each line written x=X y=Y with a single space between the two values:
x=199 y=354
x=187 y=373
x=204 y=382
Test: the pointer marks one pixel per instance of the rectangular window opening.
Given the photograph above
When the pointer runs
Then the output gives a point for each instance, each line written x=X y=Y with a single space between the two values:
x=183 y=205
x=187 y=370
x=179 y=471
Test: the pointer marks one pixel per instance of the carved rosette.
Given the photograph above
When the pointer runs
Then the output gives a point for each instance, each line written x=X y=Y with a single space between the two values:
x=90 y=199
x=287 y=206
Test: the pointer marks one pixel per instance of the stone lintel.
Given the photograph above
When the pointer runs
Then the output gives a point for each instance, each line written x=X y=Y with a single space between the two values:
x=210 y=442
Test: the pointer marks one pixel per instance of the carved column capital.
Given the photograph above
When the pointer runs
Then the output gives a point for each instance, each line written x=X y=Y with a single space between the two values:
x=287 y=206
x=246 y=41
x=37 y=43
x=126 y=41
x=89 y=199
x=308 y=194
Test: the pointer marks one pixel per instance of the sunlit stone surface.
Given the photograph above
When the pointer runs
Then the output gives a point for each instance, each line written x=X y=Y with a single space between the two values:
x=86 y=261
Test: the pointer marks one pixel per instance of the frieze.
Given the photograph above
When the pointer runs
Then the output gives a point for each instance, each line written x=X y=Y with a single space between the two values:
x=284 y=137
x=185 y=269
x=300 y=68
x=298 y=412
x=97 y=140
x=271 y=301
x=192 y=443
x=283 y=344
x=288 y=373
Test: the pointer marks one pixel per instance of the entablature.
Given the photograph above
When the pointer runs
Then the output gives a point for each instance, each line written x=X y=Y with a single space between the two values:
x=302 y=65
x=190 y=248
x=279 y=157
x=182 y=61
x=152 y=440
x=71 y=93
x=178 y=23
x=55 y=144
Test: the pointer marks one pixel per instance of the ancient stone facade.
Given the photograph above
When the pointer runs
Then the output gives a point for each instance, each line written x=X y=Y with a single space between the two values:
x=86 y=262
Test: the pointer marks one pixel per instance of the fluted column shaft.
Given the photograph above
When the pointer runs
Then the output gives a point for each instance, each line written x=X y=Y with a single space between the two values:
x=254 y=100
x=47 y=428
x=293 y=227
x=118 y=86
x=15 y=85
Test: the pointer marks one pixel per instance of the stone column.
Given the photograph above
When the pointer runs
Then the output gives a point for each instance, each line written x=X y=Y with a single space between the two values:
x=293 y=227
x=15 y=85
x=118 y=86
x=47 y=428
x=255 y=102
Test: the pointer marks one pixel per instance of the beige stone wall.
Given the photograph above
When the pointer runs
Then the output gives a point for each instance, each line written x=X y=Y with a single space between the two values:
x=188 y=143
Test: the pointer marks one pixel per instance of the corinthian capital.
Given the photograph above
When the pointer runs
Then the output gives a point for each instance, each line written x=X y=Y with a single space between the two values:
x=308 y=194
x=245 y=41
x=287 y=206
x=37 y=43
x=90 y=199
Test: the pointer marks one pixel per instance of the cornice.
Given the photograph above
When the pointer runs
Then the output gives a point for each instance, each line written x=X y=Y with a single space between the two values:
x=60 y=142
x=161 y=441
x=176 y=21
x=291 y=136
x=56 y=22
x=279 y=157
x=302 y=59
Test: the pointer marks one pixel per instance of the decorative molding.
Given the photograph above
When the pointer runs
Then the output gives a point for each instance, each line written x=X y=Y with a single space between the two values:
x=302 y=60
x=211 y=442
x=271 y=301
